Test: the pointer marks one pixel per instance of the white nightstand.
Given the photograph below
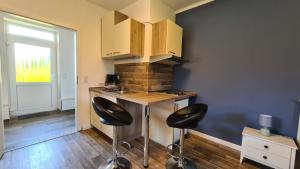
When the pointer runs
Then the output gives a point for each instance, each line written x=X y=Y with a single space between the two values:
x=275 y=151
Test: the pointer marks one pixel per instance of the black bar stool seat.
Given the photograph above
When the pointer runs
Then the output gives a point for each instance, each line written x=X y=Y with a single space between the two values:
x=115 y=115
x=111 y=113
x=185 y=118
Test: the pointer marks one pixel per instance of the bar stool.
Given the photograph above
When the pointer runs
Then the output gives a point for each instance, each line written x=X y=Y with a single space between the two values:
x=185 y=118
x=113 y=114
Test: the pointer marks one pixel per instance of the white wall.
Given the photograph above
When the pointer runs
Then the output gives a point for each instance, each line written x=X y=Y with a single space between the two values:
x=84 y=17
x=1 y=111
x=4 y=73
x=160 y=11
x=66 y=68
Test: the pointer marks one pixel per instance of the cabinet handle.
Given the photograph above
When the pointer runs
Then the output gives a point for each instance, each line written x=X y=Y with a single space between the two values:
x=266 y=147
x=116 y=52
x=265 y=157
x=172 y=52
x=109 y=54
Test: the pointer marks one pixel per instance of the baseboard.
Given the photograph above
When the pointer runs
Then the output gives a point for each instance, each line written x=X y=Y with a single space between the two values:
x=216 y=140
x=31 y=111
x=102 y=134
x=84 y=127
x=33 y=115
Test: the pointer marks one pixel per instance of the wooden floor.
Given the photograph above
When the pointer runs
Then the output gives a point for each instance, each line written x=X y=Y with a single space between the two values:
x=89 y=150
x=42 y=127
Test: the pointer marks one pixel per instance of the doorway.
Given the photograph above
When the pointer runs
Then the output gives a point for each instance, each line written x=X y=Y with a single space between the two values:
x=39 y=72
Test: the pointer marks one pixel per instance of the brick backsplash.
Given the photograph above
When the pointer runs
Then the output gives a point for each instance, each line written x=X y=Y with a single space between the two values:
x=145 y=76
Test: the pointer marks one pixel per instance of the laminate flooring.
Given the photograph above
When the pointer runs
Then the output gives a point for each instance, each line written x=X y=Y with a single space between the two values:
x=89 y=149
x=45 y=126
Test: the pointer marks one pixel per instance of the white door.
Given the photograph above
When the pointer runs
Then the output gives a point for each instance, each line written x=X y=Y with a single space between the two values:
x=1 y=119
x=32 y=69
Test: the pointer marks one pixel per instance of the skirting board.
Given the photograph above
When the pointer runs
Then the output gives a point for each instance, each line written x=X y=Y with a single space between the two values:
x=216 y=140
x=84 y=127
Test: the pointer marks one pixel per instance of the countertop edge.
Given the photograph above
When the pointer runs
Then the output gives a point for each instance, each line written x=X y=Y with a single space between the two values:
x=123 y=96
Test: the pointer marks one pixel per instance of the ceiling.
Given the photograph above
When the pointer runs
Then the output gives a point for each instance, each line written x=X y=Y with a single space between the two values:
x=113 y=4
x=120 y=4
x=179 y=4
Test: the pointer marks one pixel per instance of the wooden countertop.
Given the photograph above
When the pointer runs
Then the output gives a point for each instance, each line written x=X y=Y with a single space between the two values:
x=144 y=98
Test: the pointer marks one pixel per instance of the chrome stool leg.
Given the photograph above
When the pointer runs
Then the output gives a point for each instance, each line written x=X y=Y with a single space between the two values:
x=117 y=162
x=180 y=161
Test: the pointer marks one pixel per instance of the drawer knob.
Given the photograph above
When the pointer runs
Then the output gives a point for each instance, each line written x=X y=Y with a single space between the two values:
x=265 y=157
x=266 y=147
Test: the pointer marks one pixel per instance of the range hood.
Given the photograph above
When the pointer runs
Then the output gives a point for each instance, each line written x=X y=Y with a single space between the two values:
x=167 y=60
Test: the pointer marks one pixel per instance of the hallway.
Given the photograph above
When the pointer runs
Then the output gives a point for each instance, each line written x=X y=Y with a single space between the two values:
x=42 y=127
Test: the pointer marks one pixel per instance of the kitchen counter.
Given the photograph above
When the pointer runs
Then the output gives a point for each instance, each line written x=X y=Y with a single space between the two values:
x=159 y=104
x=145 y=98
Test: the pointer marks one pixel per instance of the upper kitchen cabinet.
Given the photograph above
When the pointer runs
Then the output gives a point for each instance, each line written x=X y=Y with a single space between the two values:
x=122 y=37
x=166 y=39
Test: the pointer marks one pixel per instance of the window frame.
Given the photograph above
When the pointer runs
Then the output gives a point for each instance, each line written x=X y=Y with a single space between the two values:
x=11 y=38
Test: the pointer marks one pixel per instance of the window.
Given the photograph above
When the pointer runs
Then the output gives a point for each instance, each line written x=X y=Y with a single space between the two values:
x=28 y=32
x=32 y=63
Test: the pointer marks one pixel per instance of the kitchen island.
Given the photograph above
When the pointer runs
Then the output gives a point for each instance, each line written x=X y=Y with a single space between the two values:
x=149 y=111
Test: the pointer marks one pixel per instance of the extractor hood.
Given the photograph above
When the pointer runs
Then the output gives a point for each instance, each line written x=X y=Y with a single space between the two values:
x=167 y=60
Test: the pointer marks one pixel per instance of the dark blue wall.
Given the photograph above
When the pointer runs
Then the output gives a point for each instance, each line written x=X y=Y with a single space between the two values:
x=244 y=60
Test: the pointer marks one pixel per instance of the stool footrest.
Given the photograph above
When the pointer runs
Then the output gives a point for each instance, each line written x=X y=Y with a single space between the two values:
x=128 y=146
x=171 y=153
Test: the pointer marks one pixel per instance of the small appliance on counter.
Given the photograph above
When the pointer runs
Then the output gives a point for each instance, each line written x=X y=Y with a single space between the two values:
x=112 y=84
x=112 y=79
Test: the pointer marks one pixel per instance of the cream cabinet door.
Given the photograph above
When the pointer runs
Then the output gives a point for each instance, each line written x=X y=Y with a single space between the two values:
x=94 y=117
x=121 y=40
x=107 y=34
x=174 y=39
x=95 y=120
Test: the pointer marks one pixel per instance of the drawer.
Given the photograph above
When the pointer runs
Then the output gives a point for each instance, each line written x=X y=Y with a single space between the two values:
x=265 y=157
x=267 y=146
